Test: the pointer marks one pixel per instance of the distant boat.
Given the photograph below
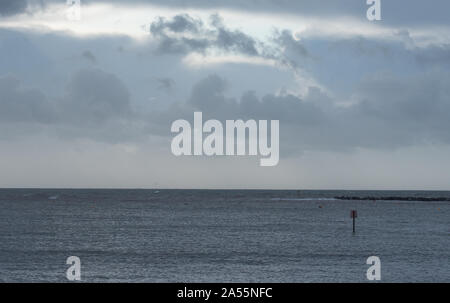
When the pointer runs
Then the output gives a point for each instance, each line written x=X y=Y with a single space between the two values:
x=55 y=197
x=156 y=192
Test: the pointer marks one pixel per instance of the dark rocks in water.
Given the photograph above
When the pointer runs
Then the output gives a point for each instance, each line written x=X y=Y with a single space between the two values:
x=436 y=199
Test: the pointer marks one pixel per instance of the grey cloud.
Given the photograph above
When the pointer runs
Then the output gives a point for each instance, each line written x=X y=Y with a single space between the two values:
x=390 y=112
x=218 y=37
x=175 y=36
x=168 y=45
x=94 y=96
x=179 y=24
x=236 y=41
x=361 y=46
x=341 y=63
x=163 y=28
x=436 y=55
x=165 y=84
x=12 y=7
x=21 y=104
x=96 y=105
x=291 y=52
x=286 y=39
x=208 y=94
x=88 y=55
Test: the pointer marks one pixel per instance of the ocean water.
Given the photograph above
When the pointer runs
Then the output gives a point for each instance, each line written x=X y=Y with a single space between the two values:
x=220 y=236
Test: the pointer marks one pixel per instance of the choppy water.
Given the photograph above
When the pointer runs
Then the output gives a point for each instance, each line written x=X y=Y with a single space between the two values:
x=220 y=236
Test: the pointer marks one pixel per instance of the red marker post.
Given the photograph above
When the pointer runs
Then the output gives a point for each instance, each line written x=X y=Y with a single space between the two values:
x=353 y=215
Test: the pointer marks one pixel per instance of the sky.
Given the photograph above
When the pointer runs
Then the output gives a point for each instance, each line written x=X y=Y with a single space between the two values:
x=89 y=103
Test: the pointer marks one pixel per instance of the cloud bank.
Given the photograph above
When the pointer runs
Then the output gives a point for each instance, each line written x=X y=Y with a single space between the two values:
x=349 y=97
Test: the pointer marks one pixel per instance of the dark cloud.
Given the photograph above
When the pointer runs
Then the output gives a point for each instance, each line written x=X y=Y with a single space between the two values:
x=23 y=105
x=96 y=105
x=179 y=24
x=290 y=51
x=94 y=96
x=175 y=36
x=286 y=39
x=184 y=34
x=88 y=55
x=236 y=40
x=12 y=7
x=165 y=84
x=435 y=55
x=163 y=30
x=208 y=95
x=398 y=93
x=390 y=112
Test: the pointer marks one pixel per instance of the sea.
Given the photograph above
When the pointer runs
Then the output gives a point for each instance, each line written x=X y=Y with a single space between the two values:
x=221 y=236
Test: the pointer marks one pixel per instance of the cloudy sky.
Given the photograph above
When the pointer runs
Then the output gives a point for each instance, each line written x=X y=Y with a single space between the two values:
x=89 y=103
